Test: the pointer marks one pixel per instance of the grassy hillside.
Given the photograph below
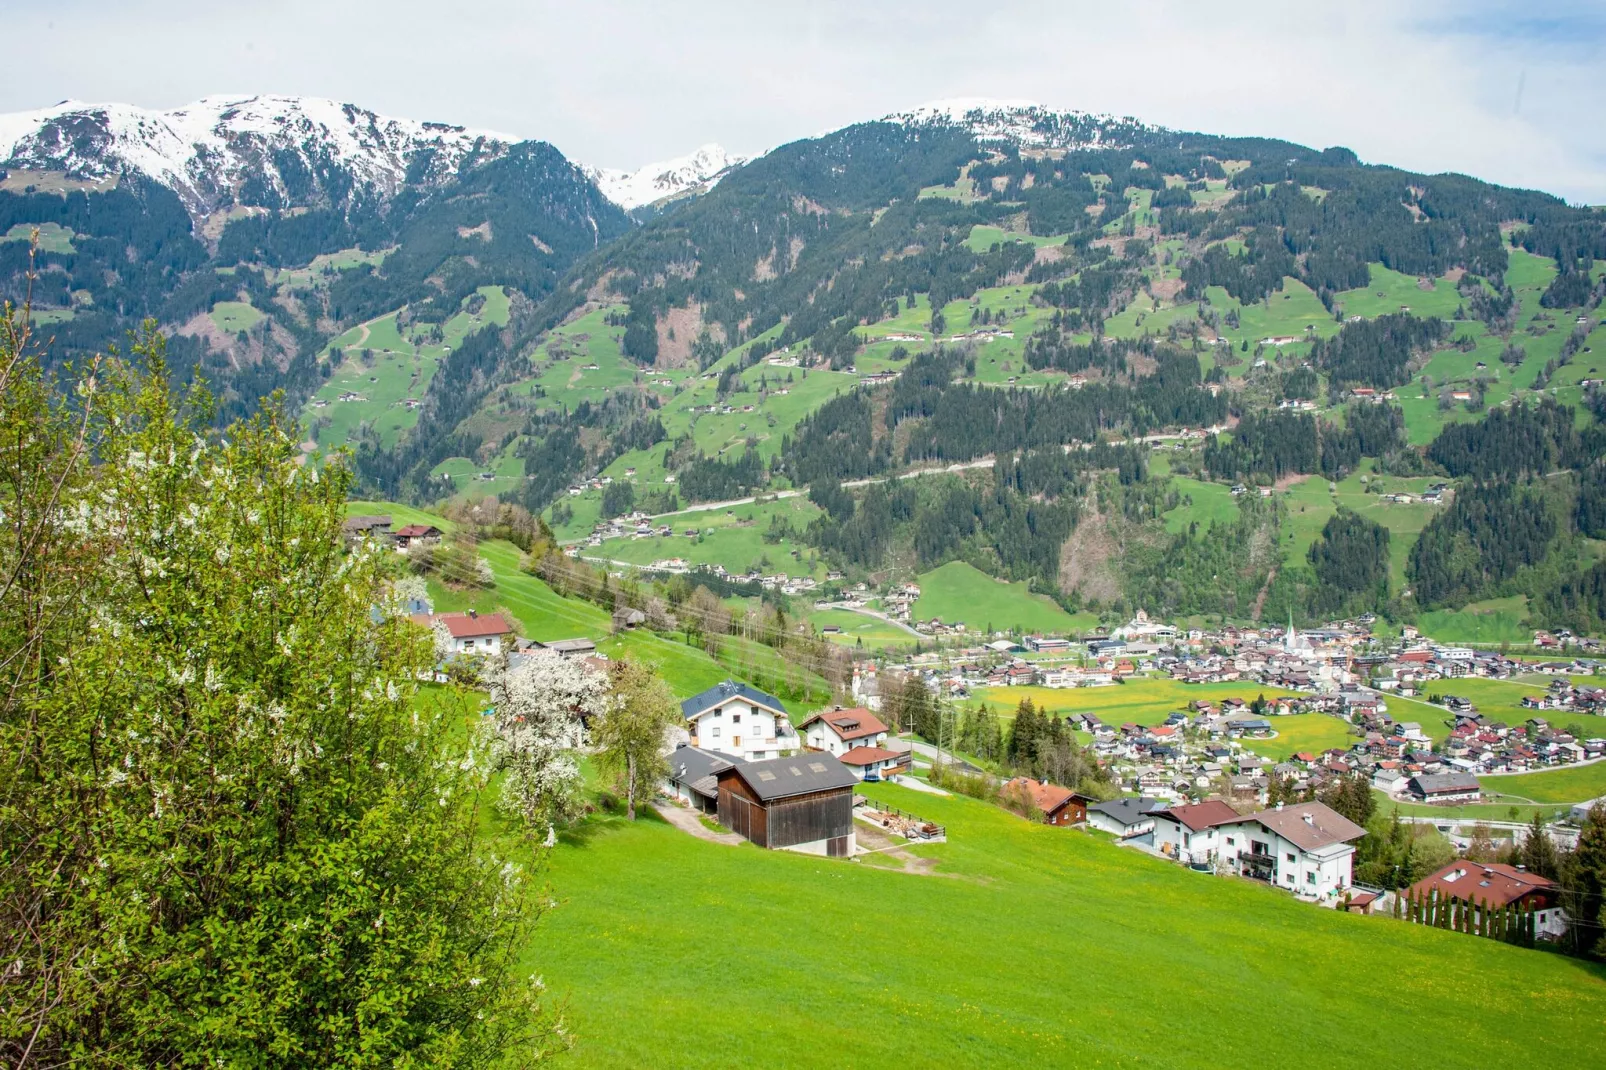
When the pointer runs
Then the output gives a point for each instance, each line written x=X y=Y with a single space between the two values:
x=960 y=592
x=1031 y=945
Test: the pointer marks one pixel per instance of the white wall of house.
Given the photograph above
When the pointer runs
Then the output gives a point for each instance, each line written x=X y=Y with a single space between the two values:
x=1323 y=873
x=821 y=736
x=484 y=644
x=741 y=728
x=1105 y=823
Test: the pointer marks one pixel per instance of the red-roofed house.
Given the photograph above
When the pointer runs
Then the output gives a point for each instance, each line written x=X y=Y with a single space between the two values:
x=417 y=535
x=471 y=632
x=1498 y=885
x=837 y=730
x=1059 y=806
x=873 y=763
x=1192 y=829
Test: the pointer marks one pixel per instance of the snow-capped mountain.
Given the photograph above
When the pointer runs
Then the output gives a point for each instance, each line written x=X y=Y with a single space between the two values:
x=266 y=149
x=693 y=173
x=1024 y=123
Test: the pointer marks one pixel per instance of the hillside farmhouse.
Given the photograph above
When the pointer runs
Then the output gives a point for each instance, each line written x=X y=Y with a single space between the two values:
x=740 y=721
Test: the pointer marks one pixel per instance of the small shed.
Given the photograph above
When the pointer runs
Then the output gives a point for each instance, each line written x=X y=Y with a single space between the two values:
x=797 y=804
x=626 y=619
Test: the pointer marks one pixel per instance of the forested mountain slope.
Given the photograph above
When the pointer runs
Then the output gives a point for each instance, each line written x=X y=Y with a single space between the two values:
x=1202 y=374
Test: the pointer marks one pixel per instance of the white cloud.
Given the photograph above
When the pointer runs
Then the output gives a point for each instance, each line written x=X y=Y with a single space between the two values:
x=1429 y=85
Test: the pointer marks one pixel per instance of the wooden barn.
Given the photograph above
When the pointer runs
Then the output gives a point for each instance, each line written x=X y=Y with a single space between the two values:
x=799 y=804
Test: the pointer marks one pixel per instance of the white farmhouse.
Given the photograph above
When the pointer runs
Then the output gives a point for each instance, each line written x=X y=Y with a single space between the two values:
x=837 y=731
x=739 y=720
x=1307 y=848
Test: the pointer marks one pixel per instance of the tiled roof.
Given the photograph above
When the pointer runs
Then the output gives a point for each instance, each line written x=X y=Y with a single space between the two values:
x=1201 y=816
x=856 y=723
x=1491 y=882
x=468 y=625
x=1309 y=826
x=867 y=756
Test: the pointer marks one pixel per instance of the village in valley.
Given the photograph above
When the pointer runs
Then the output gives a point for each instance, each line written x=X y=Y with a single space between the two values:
x=1253 y=773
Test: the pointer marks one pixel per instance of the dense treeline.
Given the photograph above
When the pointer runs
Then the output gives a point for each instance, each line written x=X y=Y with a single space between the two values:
x=835 y=442
x=709 y=479
x=1511 y=441
x=1486 y=535
x=1351 y=563
x=963 y=421
x=1377 y=352
x=1271 y=444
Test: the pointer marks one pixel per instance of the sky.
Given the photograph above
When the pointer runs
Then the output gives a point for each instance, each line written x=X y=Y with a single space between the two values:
x=1512 y=92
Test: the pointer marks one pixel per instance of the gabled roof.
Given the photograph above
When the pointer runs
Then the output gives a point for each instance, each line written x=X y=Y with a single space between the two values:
x=1130 y=810
x=413 y=531
x=723 y=692
x=1049 y=798
x=862 y=756
x=696 y=768
x=1201 y=816
x=469 y=625
x=1309 y=826
x=1492 y=882
x=856 y=723
x=366 y=523
x=782 y=778
x=1436 y=783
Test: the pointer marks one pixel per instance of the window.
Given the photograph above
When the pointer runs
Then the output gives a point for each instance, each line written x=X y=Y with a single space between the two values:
x=1310 y=878
x=1291 y=858
x=736 y=718
x=1231 y=842
x=715 y=733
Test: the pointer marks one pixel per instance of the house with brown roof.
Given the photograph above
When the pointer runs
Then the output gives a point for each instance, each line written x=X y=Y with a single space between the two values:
x=410 y=535
x=838 y=730
x=471 y=632
x=1304 y=848
x=873 y=763
x=1059 y=806
x=1189 y=833
x=1494 y=885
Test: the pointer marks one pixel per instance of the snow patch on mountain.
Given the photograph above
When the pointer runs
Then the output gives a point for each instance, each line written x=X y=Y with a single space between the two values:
x=696 y=172
x=1024 y=123
x=207 y=150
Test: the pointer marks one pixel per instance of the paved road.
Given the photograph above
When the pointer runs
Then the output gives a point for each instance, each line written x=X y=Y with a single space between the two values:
x=984 y=462
x=927 y=751
x=876 y=614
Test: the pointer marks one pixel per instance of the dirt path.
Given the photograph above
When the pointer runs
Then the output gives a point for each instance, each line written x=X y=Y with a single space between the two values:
x=686 y=820
x=872 y=838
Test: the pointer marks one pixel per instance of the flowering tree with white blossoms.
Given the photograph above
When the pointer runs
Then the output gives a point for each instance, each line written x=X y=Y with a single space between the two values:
x=541 y=707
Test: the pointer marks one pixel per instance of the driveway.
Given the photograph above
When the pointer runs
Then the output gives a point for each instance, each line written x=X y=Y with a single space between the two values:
x=687 y=821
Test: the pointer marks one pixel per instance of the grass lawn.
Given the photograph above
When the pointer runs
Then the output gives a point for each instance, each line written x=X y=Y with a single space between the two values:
x=1577 y=784
x=874 y=633
x=960 y=592
x=1302 y=732
x=53 y=237
x=949 y=970
x=1498 y=620
x=235 y=316
x=1141 y=700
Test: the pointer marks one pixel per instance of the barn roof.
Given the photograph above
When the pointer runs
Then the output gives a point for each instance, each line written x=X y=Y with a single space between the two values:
x=781 y=778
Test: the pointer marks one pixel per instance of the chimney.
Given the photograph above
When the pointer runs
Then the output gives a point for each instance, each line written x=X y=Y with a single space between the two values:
x=1279 y=807
x=1522 y=869
x=1310 y=820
